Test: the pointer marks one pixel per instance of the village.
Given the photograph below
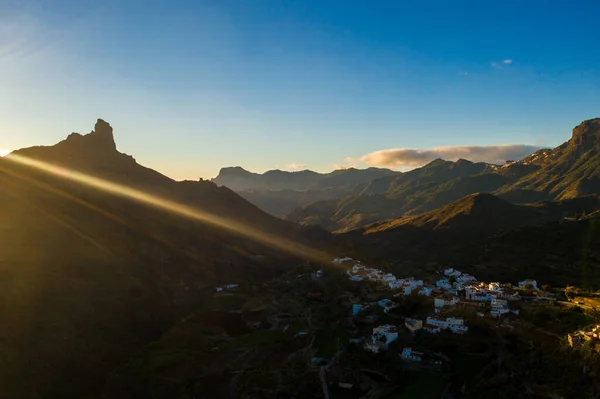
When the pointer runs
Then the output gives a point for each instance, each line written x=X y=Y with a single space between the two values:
x=361 y=328
x=452 y=290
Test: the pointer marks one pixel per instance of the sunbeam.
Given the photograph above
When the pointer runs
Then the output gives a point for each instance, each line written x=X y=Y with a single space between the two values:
x=280 y=243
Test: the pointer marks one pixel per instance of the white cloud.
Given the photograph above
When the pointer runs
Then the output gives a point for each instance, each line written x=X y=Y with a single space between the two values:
x=500 y=65
x=296 y=166
x=415 y=157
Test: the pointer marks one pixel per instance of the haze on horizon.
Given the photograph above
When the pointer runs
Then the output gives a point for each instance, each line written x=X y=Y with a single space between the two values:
x=195 y=86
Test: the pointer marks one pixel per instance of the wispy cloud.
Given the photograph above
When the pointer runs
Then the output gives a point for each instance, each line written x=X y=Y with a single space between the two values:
x=501 y=64
x=415 y=157
x=296 y=166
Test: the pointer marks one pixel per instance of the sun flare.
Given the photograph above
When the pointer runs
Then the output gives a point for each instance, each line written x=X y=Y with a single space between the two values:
x=4 y=152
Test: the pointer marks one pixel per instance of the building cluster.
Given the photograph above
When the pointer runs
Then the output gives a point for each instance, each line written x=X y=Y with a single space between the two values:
x=453 y=288
x=579 y=338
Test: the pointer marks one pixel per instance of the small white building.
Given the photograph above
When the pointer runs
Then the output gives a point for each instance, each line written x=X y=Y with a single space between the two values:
x=440 y=302
x=341 y=260
x=413 y=325
x=466 y=278
x=455 y=325
x=495 y=287
x=528 y=281
x=386 y=333
x=498 y=311
x=430 y=328
x=474 y=293
x=444 y=284
x=499 y=302
x=450 y=272
x=426 y=291
x=387 y=304
x=411 y=356
x=395 y=284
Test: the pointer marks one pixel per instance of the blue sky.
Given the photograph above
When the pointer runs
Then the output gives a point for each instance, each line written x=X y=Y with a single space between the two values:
x=192 y=86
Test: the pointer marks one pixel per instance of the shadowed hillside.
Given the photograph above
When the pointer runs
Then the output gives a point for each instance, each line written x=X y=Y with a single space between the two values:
x=93 y=274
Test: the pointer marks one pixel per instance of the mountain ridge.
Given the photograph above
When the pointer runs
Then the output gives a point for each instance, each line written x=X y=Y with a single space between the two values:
x=567 y=171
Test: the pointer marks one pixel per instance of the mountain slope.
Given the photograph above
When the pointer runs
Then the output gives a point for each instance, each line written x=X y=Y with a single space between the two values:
x=473 y=213
x=93 y=266
x=568 y=171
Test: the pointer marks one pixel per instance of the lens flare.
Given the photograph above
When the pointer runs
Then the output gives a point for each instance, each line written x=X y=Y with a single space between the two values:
x=116 y=189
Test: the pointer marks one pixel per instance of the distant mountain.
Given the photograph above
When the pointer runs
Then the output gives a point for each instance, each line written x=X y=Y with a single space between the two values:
x=239 y=179
x=278 y=192
x=568 y=171
x=92 y=268
x=412 y=192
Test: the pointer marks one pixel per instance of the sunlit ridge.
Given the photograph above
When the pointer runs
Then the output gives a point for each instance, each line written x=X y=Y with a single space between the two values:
x=173 y=207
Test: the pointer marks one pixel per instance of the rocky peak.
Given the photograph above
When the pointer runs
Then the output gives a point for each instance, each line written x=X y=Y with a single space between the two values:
x=99 y=140
x=587 y=134
x=103 y=135
x=233 y=171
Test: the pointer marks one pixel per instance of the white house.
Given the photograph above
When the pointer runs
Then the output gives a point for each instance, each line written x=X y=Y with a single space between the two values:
x=443 y=283
x=499 y=302
x=466 y=278
x=440 y=302
x=219 y=289
x=395 y=284
x=525 y=282
x=410 y=355
x=413 y=325
x=496 y=287
x=450 y=272
x=477 y=294
x=455 y=325
x=497 y=311
x=430 y=328
x=341 y=260
x=426 y=291
x=317 y=274
x=231 y=286
x=386 y=333
x=386 y=304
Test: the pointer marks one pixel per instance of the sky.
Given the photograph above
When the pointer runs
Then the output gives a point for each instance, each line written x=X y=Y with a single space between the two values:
x=193 y=86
